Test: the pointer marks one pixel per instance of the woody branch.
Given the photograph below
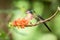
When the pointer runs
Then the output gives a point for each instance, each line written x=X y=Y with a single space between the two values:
x=48 y=19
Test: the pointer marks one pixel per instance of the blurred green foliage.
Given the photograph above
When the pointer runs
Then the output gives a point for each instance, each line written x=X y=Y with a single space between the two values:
x=44 y=8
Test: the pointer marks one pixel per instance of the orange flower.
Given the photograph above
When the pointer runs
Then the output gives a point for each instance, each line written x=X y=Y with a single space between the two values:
x=20 y=22
x=23 y=23
x=14 y=23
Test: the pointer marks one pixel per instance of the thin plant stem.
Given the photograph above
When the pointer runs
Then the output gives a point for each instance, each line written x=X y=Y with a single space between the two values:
x=40 y=18
x=41 y=21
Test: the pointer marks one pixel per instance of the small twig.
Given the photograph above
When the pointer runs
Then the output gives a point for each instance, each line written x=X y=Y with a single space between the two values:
x=40 y=18
x=41 y=21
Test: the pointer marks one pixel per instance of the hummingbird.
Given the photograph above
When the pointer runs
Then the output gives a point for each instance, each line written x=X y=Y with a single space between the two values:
x=38 y=18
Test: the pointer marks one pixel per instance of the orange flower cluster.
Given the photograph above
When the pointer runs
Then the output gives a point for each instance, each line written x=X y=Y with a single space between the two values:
x=23 y=22
x=20 y=23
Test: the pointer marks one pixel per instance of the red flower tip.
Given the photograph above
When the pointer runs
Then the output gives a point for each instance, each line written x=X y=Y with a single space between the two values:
x=20 y=23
